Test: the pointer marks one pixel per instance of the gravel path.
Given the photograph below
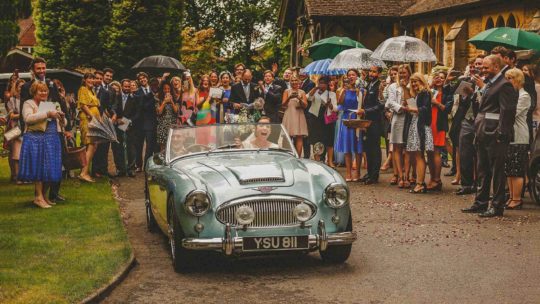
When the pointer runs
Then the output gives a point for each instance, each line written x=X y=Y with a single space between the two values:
x=411 y=249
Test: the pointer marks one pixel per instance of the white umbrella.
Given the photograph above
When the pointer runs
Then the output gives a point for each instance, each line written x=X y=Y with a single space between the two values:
x=355 y=59
x=404 y=49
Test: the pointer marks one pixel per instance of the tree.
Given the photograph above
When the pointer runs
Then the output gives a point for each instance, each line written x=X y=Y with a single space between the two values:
x=199 y=50
x=240 y=26
x=69 y=33
x=9 y=29
x=140 y=28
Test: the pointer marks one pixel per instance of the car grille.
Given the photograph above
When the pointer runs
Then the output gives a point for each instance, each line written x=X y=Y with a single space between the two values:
x=261 y=180
x=274 y=211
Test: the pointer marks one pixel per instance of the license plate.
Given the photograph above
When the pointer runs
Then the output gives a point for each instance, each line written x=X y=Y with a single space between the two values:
x=275 y=243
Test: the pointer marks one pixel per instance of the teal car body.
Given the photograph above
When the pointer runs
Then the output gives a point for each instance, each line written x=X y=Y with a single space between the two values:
x=235 y=184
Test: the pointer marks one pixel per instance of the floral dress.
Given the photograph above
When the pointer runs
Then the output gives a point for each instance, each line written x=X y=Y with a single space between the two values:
x=165 y=121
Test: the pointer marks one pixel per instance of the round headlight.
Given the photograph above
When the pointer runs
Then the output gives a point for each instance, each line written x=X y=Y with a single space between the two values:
x=302 y=212
x=336 y=195
x=198 y=203
x=244 y=215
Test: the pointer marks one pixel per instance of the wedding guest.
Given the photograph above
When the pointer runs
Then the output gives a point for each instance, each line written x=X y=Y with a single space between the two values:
x=294 y=120
x=392 y=76
x=420 y=138
x=347 y=141
x=214 y=79
x=134 y=86
x=398 y=94
x=535 y=74
x=14 y=112
x=441 y=105
x=167 y=112
x=321 y=117
x=272 y=93
x=225 y=107
x=176 y=89
x=41 y=150
x=517 y=159
x=188 y=108
x=239 y=69
x=206 y=114
x=88 y=106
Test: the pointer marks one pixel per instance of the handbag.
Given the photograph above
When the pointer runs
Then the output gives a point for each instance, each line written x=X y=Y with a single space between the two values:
x=72 y=157
x=333 y=117
x=12 y=134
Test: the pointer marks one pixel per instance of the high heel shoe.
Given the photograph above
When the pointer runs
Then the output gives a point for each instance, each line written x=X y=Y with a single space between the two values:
x=516 y=207
x=417 y=191
x=455 y=182
x=438 y=187
x=394 y=180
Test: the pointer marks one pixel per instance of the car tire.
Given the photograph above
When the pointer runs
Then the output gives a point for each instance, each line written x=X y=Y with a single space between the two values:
x=535 y=183
x=183 y=259
x=338 y=254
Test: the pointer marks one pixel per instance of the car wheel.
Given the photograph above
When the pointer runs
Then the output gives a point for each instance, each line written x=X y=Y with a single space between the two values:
x=338 y=254
x=183 y=259
x=535 y=183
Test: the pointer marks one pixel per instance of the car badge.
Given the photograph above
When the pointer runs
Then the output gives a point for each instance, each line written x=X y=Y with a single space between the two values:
x=265 y=189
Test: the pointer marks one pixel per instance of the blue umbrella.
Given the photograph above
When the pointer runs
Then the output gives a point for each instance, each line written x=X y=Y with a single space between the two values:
x=320 y=67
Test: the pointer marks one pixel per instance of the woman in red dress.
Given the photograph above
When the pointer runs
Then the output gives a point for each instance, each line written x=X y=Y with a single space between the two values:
x=441 y=105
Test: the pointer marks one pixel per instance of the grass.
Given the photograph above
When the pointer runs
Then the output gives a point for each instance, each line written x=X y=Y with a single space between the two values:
x=61 y=254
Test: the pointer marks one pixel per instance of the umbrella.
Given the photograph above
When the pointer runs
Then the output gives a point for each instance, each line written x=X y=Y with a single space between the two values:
x=158 y=64
x=320 y=67
x=102 y=129
x=404 y=49
x=330 y=47
x=355 y=59
x=512 y=38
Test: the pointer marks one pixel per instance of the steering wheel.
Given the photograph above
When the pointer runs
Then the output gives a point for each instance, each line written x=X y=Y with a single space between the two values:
x=197 y=148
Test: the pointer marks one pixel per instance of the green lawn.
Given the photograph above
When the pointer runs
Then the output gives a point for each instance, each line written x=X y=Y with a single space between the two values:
x=61 y=254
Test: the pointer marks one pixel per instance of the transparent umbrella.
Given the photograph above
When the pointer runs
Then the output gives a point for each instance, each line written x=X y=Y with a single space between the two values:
x=404 y=49
x=355 y=59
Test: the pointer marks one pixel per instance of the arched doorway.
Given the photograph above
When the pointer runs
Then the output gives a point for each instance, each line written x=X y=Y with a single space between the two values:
x=425 y=38
x=511 y=22
x=500 y=22
x=440 y=44
x=489 y=24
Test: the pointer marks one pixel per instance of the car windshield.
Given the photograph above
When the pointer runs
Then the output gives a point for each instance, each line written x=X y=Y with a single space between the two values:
x=211 y=138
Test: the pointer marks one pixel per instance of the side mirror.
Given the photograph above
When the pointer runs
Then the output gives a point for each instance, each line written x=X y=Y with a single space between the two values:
x=318 y=148
x=158 y=158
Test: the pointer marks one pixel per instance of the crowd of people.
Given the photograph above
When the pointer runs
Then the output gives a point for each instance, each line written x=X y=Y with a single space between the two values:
x=485 y=118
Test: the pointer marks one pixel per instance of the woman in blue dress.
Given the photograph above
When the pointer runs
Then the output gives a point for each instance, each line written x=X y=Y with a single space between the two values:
x=347 y=141
x=41 y=152
x=224 y=106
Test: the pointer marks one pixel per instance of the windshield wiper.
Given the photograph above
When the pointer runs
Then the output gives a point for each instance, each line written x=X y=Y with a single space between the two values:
x=228 y=146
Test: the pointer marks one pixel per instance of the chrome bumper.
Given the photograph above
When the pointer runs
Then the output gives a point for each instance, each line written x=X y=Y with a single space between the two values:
x=229 y=244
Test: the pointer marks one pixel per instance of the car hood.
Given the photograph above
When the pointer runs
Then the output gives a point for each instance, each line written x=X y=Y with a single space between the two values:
x=234 y=175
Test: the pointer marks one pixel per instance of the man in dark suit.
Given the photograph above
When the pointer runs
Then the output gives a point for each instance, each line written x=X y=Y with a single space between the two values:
x=272 y=94
x=244 y=91
x=465 y=116
x=494 y=129
x=38 y=68
x=372 y=109
x=127 y=110
x=149 y=118
x=306 y=86
x=144 y=94
x=105 y=96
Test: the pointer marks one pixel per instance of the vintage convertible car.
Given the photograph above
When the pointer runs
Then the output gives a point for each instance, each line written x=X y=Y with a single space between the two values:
x=241 y=189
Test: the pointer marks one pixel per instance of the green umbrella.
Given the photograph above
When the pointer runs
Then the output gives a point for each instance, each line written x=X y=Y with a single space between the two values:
x=328 y=48
x=512 y=38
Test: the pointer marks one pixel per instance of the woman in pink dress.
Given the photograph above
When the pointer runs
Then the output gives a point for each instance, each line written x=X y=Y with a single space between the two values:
x=294 y=119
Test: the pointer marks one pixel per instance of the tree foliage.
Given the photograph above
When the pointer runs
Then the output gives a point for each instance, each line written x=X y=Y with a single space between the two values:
x=140 y=28
x=199 y=50
x=241 y=26
x=9 y=29
x=69 y=33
